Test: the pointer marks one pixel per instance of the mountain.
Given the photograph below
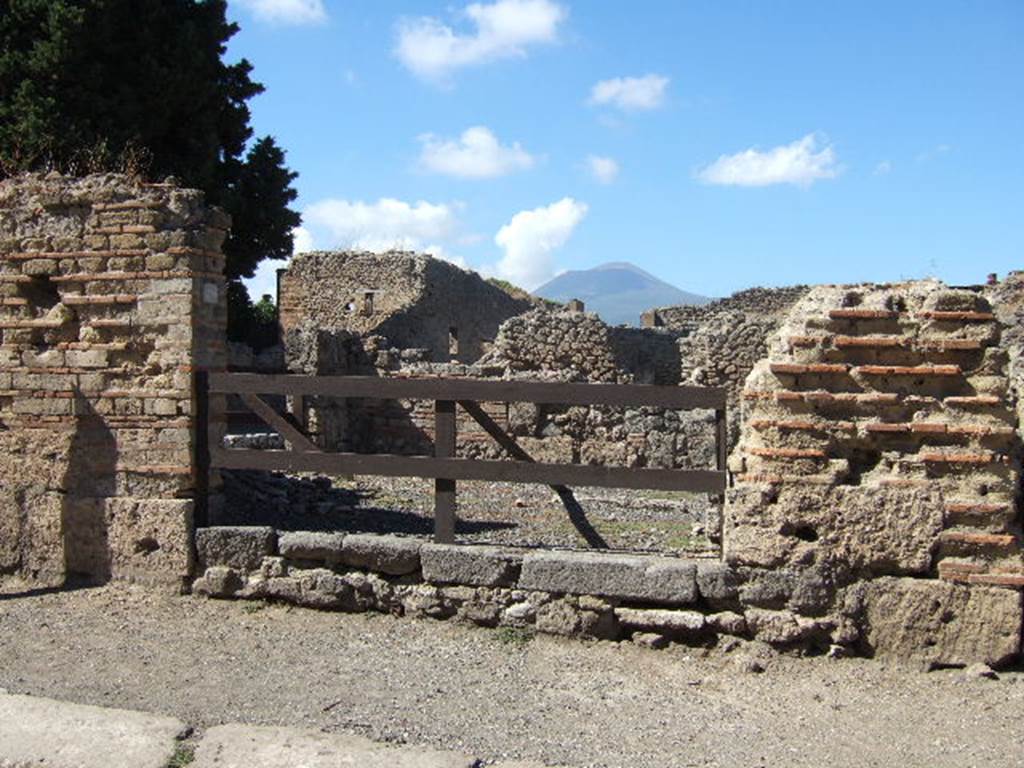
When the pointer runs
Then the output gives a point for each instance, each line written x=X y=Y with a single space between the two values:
x=618 y=291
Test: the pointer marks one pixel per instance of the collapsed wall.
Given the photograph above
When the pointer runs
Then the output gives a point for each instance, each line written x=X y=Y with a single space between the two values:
x=880 y=446
x=412 y=299
x=112 y=294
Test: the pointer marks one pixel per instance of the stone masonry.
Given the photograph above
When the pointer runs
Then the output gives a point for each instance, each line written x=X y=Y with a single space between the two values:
x=415 y=301
x=112 y=294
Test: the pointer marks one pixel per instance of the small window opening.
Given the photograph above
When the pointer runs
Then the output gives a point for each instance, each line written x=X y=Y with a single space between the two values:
x=453 y=342
x=368 y=303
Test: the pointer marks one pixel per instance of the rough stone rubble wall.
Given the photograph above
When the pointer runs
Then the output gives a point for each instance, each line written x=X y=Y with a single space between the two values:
x=412 y=299
x=611 y=596
x=764 y=302
x=538 y=345
x=112 y=294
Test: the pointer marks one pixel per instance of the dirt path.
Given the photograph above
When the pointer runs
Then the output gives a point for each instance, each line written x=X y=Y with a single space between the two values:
x=494 y=694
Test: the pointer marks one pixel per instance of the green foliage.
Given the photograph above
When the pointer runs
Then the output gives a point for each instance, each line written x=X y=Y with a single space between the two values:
x=515 y=636
x=184 y=754
x=138 y=85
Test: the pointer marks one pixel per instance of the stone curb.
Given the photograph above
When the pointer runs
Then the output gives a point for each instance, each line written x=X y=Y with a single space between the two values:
x=56 y=734
x=245 y=746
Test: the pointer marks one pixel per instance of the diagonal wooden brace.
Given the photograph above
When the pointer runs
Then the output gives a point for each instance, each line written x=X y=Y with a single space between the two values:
x=299 y=441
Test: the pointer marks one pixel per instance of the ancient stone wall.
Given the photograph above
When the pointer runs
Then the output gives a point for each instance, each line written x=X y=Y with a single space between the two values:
x=875 y=506
x=112 y=295
x=774 y=302
x=880 y=440
x=412 y=299
x=539 y=345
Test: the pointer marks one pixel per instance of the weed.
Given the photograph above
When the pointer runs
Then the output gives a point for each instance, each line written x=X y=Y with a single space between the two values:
x=515 y=636
x=183 y=755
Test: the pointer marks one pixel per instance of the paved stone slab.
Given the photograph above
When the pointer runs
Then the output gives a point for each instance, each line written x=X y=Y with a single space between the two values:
x=653 y=579
x=246 y=746
x=472 y=566
x=242 y=547
x=392 y=555
x=311 y=545
x=53 y=734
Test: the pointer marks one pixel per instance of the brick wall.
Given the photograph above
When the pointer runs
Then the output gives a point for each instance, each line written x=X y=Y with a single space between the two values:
x=112 y=293
x=884 y=426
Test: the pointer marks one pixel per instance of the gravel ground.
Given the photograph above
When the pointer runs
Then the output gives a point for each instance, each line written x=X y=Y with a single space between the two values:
x=501 y=695
x=491 y=513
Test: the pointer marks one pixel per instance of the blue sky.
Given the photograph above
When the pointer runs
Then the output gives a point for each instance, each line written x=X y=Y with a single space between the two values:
x=718 y=145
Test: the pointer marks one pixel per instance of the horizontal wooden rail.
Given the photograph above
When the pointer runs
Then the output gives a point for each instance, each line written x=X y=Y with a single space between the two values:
x=389 y=465
x=444 y=467
x=623 y=395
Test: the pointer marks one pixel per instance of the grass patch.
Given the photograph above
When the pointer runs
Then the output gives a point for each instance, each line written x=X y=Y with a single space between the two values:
x=183 y=755
x=515 y=636
x=254 y=606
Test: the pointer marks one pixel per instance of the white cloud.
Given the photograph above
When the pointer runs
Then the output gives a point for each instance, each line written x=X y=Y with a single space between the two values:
x=264 y=281
x=432 y=50
x=603 y=169
x=882 y=168
x=798 y=163
x=440 y=252
x=631 y=93
x=302 y=240
x=384 y=225
x=476 y=155
x=933 y=153
x=287 y=11
x=530 y=239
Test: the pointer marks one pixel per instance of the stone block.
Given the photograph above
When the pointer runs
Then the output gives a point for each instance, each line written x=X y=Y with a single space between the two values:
x=241 y=547
x=218 y=581
x=881 y=531
x=719 y=583
x=148 y=539
x=661 y=620
x=652 y=579
x=568 y=618
x=475 y=566
x=311 y=545
x=86 y=358
x=773 y=627
x=940 y=623
x=393 y=555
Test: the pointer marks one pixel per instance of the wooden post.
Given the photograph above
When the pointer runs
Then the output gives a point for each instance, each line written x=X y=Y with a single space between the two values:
x=201 y=449
x=722 y=456
x=721 y=439
x=444 y=489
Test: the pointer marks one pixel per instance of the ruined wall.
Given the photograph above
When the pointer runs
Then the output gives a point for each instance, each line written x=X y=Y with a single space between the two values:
x=874 y=508
x=112 y=294
x=412 y=299
x=539 y=345
x=880 y=440
x=774 y=302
